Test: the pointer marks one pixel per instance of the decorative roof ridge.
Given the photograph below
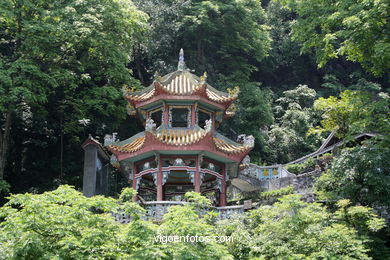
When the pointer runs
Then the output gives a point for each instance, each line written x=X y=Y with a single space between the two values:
x=181 y=64
x=129 y=92
x=180 y=136
x=129 y=145
x=227 y=145
x=226 y=139
x=128 y=140
x=165 y=80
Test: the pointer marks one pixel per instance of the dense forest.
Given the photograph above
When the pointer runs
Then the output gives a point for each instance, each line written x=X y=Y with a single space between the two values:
x=305 y=68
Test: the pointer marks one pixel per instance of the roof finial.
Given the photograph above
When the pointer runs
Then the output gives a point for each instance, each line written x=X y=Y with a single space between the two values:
x=181 y=66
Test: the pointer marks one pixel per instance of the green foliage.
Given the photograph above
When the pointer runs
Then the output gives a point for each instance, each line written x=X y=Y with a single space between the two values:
x=353 y=113
x=293 y=229
x=221 y=37
x=4 y=187
x=253 y=113
x=58 y=224
x=127 y=194
x=65 y=224
x=360 y=174
x=294 y=115
x=277 y=193
x=185 y=220
x=308 y=165
x=67 y=49
x=61 y=61
x=356 y=29
x=237 y=227
x=341 y=114
x=197 y=199
x=296 y=168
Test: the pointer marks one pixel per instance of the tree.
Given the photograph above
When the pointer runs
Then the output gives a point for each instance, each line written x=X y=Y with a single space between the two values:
x=285 y=67
x=224 y=38
x=65 y=224
x=185 y=221
x=61 y=223
x=65 y=60
x=294 y=229
x=357 y=30
x=360 y=174
x=294 y=116
x=354 y=112
x=253 y=115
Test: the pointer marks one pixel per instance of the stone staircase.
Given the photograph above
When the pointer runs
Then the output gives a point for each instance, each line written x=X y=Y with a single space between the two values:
x=302 y=183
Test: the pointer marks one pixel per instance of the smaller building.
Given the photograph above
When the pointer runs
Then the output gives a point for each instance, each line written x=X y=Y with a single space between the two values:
x=331 y=143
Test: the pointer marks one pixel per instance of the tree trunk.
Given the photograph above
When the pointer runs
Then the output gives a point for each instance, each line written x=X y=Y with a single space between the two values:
x=4 y=142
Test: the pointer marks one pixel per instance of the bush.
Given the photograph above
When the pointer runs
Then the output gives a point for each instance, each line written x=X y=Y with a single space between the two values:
x=294 y=229
x=308 y=165
x=4 y=188
x=277 y=193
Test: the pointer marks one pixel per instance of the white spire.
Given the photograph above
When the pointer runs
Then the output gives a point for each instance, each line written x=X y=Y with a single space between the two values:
x=181 y=66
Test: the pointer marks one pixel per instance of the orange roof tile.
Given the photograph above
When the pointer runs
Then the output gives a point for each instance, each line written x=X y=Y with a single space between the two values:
x=181 y=85
x=142 y=97
x=131 y=147
x=229 y=148
x=218 y=98
x=180 y=136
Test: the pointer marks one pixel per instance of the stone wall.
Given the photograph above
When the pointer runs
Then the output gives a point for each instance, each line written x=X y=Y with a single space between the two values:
x=155 y=210
x=302 y=183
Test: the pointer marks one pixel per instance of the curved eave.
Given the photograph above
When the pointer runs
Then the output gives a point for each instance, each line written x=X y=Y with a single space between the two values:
x=131 y=147
x=179 y=85
x=230 y=148
x=206 y=143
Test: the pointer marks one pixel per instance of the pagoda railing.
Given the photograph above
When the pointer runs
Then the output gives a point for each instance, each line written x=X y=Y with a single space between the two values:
x=151 y=170
x=179 y=168
x=211 y=172
x=157 y=209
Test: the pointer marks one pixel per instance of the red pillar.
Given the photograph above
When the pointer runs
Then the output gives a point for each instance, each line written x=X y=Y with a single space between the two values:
x=160 y=194
x=213 y=121
x=222 y=197
x=166 y=115
x=135 y=181
x=193 y=114
x=197 y=176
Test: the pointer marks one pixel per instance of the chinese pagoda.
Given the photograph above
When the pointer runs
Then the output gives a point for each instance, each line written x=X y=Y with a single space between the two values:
x=180 y=149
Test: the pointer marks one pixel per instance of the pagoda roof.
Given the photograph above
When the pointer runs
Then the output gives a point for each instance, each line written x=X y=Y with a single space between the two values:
x=180 y=136
x=173 y=138
x=228 y=146
x=129 y=145
x=180 y=83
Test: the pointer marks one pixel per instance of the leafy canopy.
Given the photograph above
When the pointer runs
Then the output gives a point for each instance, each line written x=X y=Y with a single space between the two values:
x=357 y=29
x=293 y=229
